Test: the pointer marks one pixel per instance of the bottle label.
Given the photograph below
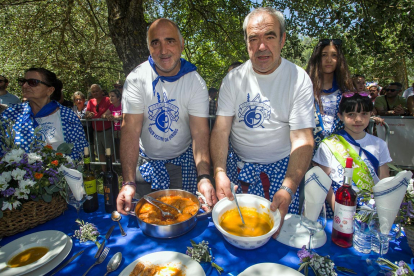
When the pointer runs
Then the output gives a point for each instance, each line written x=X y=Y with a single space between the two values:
x=90 y=186
x=87 y=160
x=344 y=218
x=108 y=195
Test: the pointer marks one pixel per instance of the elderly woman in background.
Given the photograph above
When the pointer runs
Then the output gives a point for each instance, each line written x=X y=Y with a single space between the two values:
x=79 y=107
x=58 y=124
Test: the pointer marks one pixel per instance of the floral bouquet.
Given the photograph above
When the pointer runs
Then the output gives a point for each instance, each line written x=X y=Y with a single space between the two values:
x=397 y=269
x=31 y=176
x=405 y=216
x=201 y=252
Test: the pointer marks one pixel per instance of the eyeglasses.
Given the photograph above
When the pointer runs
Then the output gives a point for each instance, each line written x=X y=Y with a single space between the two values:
x=350 y=94
x=31 y=82
x=326 y=41
x=392 y=90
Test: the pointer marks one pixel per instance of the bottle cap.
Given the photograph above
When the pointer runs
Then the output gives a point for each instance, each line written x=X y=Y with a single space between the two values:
x=108 y=151
x=349 y=162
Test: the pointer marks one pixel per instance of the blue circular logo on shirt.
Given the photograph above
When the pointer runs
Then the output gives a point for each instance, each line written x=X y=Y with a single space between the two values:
x=163 y=122
x=253 y=119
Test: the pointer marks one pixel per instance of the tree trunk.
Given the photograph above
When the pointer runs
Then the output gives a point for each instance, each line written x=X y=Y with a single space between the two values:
x=128 y=30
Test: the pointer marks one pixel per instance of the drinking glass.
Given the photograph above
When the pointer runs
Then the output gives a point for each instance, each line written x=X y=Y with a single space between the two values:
x=313 y=220
x=375 y=228
x=71 y=200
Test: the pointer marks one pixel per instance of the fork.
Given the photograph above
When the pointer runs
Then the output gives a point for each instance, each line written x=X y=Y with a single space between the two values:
x=100 y=260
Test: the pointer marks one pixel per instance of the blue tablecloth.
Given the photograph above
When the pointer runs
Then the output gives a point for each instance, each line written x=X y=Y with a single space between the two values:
x=232 y=259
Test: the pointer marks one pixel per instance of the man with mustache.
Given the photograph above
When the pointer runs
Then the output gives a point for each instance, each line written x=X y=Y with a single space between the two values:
x=165 y=122
x=266 y=108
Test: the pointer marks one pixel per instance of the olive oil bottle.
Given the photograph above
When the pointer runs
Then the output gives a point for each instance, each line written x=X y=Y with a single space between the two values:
x=89 y=182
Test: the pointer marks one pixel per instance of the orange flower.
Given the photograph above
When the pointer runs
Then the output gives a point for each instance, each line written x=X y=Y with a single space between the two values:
x=55 y=162
x=38 y=175
x=48 y=147
x=59 y=154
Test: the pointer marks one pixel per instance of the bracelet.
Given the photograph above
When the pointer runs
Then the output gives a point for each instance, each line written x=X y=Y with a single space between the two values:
x=204 y=176
x=217 y=171
x=125 y=183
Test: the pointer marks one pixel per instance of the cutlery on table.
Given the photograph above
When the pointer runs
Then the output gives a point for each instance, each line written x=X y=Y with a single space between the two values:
x=115 y=216
x=100 y=260
x=67 y=262
x=114 y=263
x=102 y=246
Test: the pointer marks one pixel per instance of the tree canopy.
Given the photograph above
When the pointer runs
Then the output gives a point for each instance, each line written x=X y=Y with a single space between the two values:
x=96 y=41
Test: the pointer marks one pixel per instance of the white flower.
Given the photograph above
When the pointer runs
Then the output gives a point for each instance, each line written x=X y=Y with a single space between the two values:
x=3 y=186
x=16 y=204
x=33 y=157
x=21 y=193
x=23 y=184
x=18 y=174
x=5 y=177
x=14 y=156
x=69 y=159
x=6 y=205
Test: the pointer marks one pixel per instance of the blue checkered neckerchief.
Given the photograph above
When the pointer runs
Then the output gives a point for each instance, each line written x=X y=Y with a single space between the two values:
x=155 y=172
x=250 y=173
x=319 y=132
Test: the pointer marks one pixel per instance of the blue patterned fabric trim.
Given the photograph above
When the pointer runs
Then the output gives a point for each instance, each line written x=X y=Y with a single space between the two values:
x=316 y=178
x=403 y=182
x=320 y=132
x=250 y=173
x=155 y=172
x=71 y=127
x=65 y=173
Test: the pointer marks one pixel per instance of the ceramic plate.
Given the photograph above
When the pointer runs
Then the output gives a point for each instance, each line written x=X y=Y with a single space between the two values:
x=270 y=269
x=188 y=266
x=55 y=241
x=53 y=263
x=295 y=235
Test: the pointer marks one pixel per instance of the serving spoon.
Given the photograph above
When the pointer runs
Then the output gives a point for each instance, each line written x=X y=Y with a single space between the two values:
x=115 y=216
x=235 y=200
x=164 y=214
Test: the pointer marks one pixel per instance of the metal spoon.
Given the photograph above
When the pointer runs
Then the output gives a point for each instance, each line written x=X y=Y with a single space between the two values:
x=235 y=200
x=164 y=214
x=114 y=263
x=115 y=216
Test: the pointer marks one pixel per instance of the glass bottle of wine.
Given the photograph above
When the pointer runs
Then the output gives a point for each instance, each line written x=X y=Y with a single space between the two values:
x=110 y=183
x=345 y=206
x=89 y=182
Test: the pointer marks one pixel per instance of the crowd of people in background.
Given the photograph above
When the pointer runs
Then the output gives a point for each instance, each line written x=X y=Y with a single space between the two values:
x=269 y=115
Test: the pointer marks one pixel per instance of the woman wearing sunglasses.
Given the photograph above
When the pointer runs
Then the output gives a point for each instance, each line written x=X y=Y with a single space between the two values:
x=328 y=71
x=57 y=124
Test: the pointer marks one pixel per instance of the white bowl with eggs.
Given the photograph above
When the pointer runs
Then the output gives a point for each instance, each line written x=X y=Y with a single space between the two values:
x=262 y=206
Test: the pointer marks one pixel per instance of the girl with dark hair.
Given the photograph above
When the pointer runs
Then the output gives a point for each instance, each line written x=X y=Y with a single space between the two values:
x=328 y=71
x=370 y=153
x=57 y=124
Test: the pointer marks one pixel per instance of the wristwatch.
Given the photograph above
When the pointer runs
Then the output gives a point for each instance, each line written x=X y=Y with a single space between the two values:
x=125 y=183
x=292 y=194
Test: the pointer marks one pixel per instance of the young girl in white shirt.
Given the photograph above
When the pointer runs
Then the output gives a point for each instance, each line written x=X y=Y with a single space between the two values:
x=370 y=153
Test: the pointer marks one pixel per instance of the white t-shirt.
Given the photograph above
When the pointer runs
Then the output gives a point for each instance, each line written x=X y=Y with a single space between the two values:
x=409 y=92
x=374 y=145
x=329 y=110
x=51 y=129
x=166 y=127
x=265 y=109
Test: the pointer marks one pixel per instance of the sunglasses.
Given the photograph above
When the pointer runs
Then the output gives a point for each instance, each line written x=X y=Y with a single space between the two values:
x=392 y=90
x=31 y=82
x=350 y=94
x=326 y=41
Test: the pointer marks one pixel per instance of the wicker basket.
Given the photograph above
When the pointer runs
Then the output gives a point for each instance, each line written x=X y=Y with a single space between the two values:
x=409 y=233
x=32 y=214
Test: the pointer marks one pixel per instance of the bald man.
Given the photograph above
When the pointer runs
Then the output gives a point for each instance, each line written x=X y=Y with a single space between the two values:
x=164 y=133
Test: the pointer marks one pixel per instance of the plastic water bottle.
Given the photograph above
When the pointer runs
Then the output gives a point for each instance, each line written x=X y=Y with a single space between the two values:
x=362 y=238
x=375 y=245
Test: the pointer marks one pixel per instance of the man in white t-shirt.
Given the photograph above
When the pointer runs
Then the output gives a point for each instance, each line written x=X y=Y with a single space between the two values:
x=265 y=106
x=408 y=92
x=165 y=122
